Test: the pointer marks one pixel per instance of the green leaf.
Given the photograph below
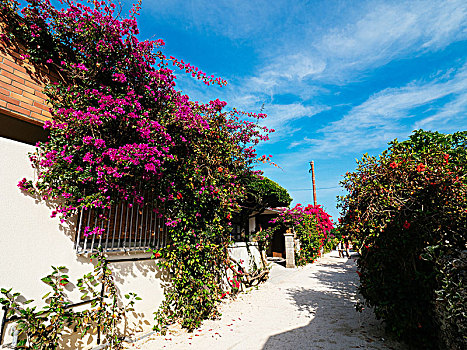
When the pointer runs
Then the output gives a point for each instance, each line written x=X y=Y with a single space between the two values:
x=46 y=280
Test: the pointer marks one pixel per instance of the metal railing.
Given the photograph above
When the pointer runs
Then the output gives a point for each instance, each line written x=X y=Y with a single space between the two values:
x=124 y=227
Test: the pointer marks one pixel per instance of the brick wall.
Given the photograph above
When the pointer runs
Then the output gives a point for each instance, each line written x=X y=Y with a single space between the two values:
x=21 y=86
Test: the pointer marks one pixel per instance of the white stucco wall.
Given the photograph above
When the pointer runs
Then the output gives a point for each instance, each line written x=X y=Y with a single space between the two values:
x=247 y=254
x=31 y=242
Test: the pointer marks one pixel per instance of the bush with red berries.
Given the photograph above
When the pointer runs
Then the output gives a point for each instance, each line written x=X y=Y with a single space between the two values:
x=408 y=209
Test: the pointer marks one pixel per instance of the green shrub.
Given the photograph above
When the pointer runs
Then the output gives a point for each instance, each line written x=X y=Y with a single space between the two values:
x=408 y=210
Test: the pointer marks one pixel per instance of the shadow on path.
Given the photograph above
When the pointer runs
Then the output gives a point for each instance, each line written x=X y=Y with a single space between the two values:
x=334 y=324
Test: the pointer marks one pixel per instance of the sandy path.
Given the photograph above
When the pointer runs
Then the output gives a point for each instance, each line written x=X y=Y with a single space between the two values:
x=311 y=307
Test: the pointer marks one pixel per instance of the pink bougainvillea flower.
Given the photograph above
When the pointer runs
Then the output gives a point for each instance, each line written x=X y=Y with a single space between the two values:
x=122 y=131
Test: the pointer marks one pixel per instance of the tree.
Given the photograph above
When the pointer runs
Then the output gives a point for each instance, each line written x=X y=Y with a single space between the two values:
x=262 y=193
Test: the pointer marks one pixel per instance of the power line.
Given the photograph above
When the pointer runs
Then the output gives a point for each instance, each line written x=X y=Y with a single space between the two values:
x=309 y=189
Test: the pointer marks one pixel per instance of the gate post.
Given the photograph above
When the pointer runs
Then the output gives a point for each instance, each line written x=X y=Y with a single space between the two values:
x=289 y=249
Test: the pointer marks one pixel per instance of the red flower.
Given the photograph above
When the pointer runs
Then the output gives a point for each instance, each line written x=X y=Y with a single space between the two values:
x=406 y=225
x=359 y=273
x=393 y=165
x=446 y=158
x=156 y=255
x=179 y=195
x=421 y=167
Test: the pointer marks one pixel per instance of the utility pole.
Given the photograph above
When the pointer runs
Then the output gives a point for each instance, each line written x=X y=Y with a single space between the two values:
x=312 y=171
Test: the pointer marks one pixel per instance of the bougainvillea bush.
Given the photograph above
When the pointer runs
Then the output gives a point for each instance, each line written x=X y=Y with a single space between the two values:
x=311 y=225
x=121 y=130
x=408 y=209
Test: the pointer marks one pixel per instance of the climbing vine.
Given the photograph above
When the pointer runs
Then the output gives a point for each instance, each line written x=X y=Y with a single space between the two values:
x=43 y=328
x=121 y=129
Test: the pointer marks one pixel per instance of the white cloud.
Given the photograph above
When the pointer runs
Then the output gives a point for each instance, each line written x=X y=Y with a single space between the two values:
x=452 y=116
x=345 y=50
x=286 y=74
x=304 y=141
x=281 y=114
x=392 y=30
x=371 y=37
x=280 y=117
x=237 y=20
x=293 y=67
x=387 y=114
x=299 y=55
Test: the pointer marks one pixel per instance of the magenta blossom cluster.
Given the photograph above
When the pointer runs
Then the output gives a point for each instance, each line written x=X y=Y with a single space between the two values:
x=296 y=215
x=311 y=226
x=323 y=219
x=120 y=128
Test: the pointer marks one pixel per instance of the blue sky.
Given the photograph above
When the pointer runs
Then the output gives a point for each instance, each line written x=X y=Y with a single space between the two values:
x=336 y=78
